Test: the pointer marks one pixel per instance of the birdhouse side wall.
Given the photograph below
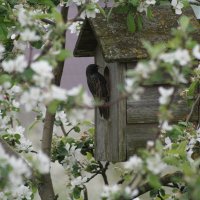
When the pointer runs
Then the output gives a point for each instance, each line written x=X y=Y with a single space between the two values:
x=142 y=115
x=110 y=140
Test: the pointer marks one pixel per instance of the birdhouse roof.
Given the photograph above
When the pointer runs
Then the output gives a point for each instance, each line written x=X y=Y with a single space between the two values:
x=117 y=43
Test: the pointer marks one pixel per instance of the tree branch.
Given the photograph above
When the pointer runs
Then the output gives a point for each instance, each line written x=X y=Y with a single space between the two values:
x=45 y=188
x=48 y=21
x=192 y=108
x=165 y=180
x=11 y=152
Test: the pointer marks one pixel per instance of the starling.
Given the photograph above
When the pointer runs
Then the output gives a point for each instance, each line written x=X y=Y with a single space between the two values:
x=98 y=87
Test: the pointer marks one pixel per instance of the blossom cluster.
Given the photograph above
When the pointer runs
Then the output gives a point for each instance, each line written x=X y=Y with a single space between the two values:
x=91 y=7
x=14 y=187
x=116 y=192
x=143 y=6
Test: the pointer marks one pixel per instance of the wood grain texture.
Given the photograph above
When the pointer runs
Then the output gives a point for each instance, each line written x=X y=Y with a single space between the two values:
x=110 y=144
x=146 y=109
x=138 y=135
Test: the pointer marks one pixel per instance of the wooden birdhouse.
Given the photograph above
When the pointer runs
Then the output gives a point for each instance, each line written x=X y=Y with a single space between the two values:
x=131 y=123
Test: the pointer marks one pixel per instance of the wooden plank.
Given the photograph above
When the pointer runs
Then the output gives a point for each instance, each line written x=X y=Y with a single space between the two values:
x=138 y=135
x=146 y=109
x=110 y=144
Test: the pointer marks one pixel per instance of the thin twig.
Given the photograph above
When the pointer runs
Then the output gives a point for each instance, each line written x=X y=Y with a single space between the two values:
x=192 y=108
x=91 y=177
x=165 y=180
x=85 y=193
x=103 y=171
x=48 y=21
x=63 y=130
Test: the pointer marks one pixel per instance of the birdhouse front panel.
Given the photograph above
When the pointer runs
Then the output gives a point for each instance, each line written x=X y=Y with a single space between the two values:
x=110 y=138
x=130 y=123
x=142 y=115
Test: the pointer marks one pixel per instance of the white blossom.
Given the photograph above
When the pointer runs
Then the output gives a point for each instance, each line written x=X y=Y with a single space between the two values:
x=74 y=118
x=134 y=163
x=155 y=164
x=22 y=192
x=13 y=36
x=2 y=49
x=75 y=27
x=20 y=45
x=87 y=100
x=168 y=143
x=43 y=72
x=19 y=64
x=137 y=93
x=29 y=35
x=75 y=91
x=196 y=52
x=177 y=76
x=165 y=126
x=25 y=144
x=182 y=56
x=177 y=5
x=144 y=69
x=43 y=164
x=150 y=143
x=129 y=83
x=165 y=95
x=24 y=18
x=79 y=2
x=142 y=7
x=78 y=181
x=90 y=11
x=30 y=98
x=61 y=116
x=151 y=2
x=135 y=192
x=15 y=103
x=20 y=169
x=58 y=93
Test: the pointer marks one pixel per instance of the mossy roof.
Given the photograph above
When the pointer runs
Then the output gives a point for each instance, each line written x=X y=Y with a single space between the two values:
x=118 y=44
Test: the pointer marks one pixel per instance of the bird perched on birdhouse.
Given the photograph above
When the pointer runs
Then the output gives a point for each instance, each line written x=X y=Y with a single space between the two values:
x=98 y=87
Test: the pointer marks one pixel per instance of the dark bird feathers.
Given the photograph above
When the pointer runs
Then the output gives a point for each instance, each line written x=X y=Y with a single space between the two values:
x=98 y=87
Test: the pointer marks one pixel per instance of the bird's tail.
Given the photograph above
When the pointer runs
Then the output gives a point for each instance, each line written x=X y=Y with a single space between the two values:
x=104 y=112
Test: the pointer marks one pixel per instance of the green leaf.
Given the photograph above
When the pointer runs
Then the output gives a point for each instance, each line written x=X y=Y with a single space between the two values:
x=39 y=2
x=153 y=193
x=135 y=3
x=77 y=192
x=27 y=75
x=63 y=55
x=154 y=50
x=37 y=44
x=139 y=23
x=192 y=88
x=53 y=106
x=184 y=22
x=149 y=13
x=3 y=32
x=5 y=78
x=89 y=156
x=131 y=23
x=77 y=129
x=122 y=9
x=154 y=181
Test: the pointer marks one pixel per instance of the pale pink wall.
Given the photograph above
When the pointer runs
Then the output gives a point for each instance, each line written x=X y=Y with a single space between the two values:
x=74 y=70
